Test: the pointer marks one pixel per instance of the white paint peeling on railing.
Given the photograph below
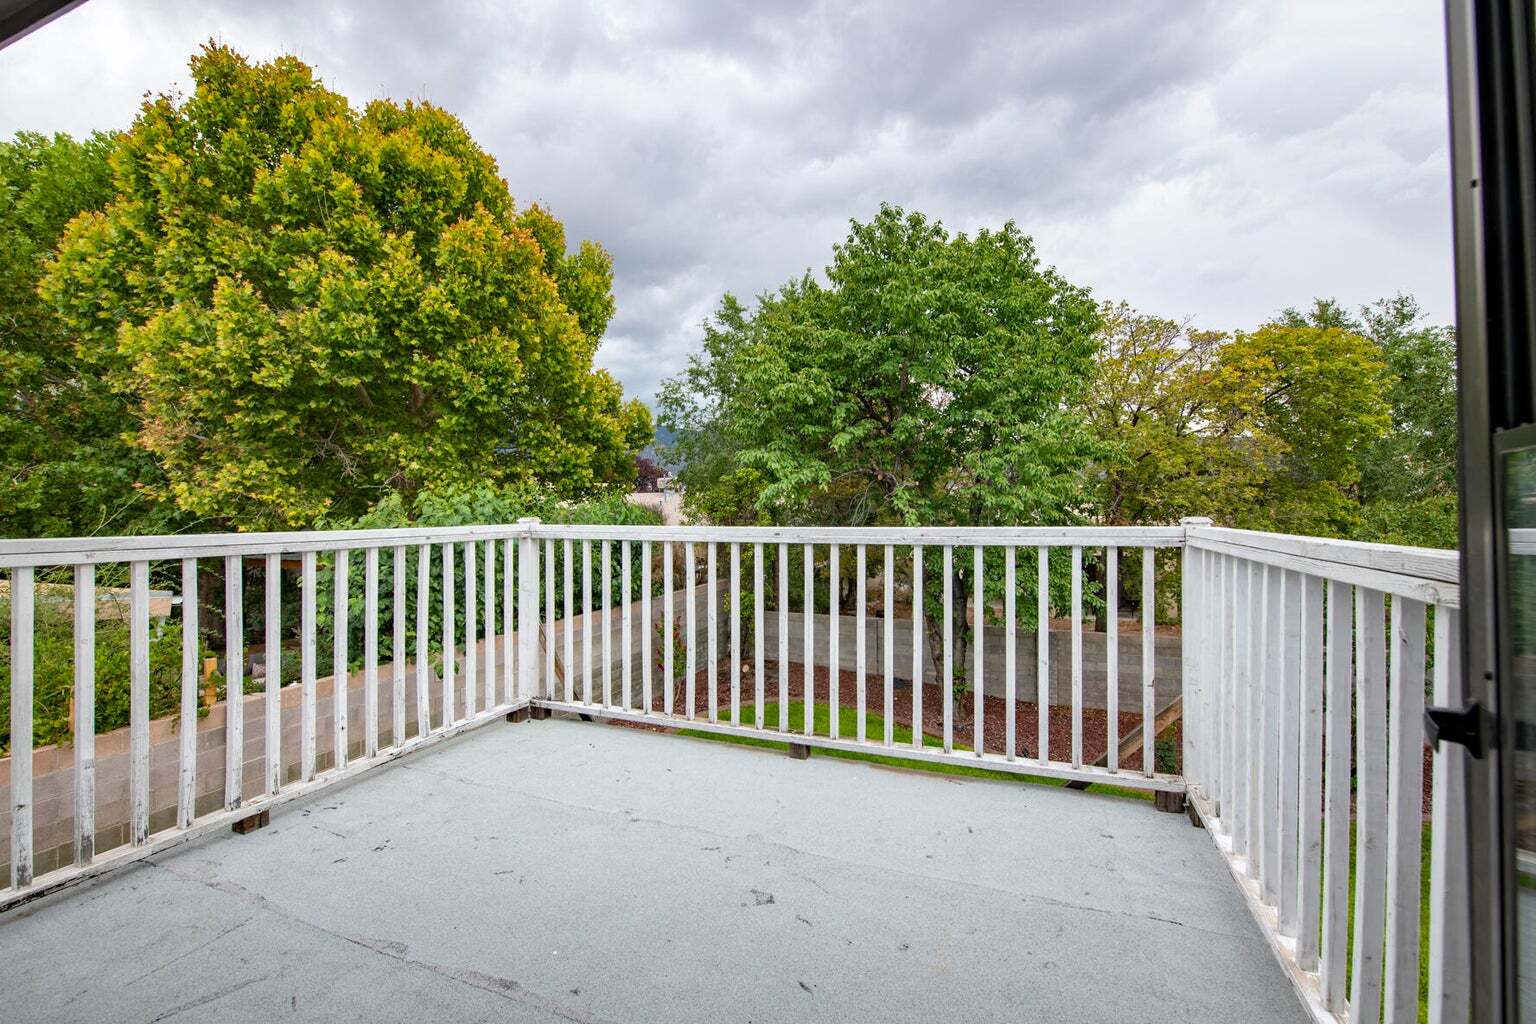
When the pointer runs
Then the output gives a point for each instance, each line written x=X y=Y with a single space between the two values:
x=1278 y=710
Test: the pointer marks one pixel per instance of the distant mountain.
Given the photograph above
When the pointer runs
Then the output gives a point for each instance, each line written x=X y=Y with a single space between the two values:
x=664 y=438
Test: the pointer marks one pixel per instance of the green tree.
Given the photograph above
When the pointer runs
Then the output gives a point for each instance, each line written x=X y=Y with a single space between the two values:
x=935 y=379
x=64 y=455
x=1408 y=473
x=1317 y=396
x=308 y=306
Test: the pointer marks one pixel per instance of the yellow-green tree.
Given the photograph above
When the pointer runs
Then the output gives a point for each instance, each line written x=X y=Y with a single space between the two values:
x=1263 y=430
x=307 y=305
x=66 y=466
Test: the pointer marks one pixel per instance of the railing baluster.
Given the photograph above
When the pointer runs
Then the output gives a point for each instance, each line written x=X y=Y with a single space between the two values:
x=22 y=641
x=1148 y=662
x=808 y=593
x=1449 y=959
x=1010 y=651
x=1370 y=806
x=607 y=627
x=1043 y=654
x=1242 y=689
x=1112 y=656
x=1310 y=840
x=1192 y=669
x=627 y=626
x=397 y=651
x=272 y=714
x=783 y=596
x=735 y=633
x=547 y=628
x=757 y=633
x=713 y=654
x=1290 y=750
x=568 y=577
x=888 y=615
x=370 y=652
x=860 y=641
x=669 y=642
x=1270 y=726
x=234 y=682
x=1077 y=657
x=307 y=655
x=509 y=616
x=834 y=641
x=85 y=713
x=949 y=648
x=471 y=633
x=423 y=643
x=1210 y=668
x=978 y=639
x=339 y=661
x=186 y=790
x=1405 y=824
x=528 y=612
x=1253 y=684
x=138 y=705
x=1221 y=713
x=586 y=615
x=917 y=646
x=490 y=624
x=449 y=668
x=690 y=645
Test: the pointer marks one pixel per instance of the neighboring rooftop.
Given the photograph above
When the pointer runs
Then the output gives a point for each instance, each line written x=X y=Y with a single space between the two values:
x=583 y=872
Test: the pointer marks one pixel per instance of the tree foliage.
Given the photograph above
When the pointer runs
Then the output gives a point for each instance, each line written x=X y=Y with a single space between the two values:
x=1407 y=487
x=934 y=379
x=307 y=305
x=1264 y=430
x=66 y=461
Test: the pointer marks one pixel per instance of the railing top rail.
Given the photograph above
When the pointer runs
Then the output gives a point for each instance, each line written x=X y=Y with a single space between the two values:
x=985 y=536
x=1425 y=574
x=92 y=550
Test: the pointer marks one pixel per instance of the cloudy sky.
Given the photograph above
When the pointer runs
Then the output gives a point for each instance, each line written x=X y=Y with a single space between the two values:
x=1212 y=160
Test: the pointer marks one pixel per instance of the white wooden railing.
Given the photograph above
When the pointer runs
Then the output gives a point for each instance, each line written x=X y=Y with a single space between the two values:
x=1285 y=673
x=1299 y=653
x=711 y=559
x=273 y=775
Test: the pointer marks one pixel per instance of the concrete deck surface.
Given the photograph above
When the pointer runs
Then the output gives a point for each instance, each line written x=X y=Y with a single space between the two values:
x=567 y=871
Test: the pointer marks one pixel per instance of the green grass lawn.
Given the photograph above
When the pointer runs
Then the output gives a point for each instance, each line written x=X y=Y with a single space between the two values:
x=874 y=729
x=1349 y=971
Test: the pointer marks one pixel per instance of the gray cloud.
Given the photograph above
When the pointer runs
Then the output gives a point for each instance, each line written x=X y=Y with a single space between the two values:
x=1217 y=159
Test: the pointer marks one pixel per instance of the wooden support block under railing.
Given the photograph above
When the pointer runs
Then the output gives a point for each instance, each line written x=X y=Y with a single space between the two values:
x=250 y=824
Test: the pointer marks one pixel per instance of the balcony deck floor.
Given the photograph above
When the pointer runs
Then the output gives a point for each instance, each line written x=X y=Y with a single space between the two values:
x=564 y=871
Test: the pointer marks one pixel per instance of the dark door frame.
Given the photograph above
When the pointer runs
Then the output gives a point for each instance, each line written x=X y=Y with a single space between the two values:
x=1493 y=160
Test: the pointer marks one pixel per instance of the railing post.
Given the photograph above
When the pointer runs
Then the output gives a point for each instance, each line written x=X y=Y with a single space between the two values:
x=1193 y=681
x=527 y=612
